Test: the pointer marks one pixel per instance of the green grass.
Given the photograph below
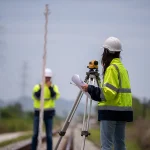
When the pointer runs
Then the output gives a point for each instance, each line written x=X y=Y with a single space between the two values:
x=131 y=144
x=21 y=138
x=57 y=121
x=95 y=136
x=15 y=124
x=20 y=124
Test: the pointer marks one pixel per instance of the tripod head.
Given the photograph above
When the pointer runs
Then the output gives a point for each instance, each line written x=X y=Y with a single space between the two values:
x=93 y=68
x=93 y=72
x=93 y=64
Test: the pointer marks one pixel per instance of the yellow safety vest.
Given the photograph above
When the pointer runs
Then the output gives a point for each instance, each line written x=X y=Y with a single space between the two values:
x=49 y=103
x=116 y=90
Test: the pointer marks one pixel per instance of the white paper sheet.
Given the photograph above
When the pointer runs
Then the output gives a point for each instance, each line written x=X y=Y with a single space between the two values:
x=76 y=79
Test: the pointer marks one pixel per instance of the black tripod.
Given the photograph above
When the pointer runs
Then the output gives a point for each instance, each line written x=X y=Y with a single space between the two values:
x=91 y=77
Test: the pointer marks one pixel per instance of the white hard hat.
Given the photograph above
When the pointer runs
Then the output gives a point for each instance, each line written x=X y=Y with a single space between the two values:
x=113 y=44
x=48 y=72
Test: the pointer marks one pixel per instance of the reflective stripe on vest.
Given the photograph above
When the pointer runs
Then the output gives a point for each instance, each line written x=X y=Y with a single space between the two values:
x=116 y=108
x=46 y=99
x=45 y=109
x=120 y=90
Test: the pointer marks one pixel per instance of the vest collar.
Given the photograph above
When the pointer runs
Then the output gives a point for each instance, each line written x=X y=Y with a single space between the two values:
x=115 y=60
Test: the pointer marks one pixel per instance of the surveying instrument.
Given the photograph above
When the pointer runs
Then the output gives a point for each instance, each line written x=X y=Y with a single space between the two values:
x=92 y=77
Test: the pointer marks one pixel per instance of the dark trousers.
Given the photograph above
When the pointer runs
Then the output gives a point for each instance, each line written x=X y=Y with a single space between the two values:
x=112 y=134
x=48 y=125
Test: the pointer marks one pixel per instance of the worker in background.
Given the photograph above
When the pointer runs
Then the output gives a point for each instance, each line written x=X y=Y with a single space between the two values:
x=114 y=97
x=51 y=93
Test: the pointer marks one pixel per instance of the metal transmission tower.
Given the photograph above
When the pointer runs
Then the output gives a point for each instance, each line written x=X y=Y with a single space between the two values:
x=2 y=47
x=24 y=77
x=2 y=58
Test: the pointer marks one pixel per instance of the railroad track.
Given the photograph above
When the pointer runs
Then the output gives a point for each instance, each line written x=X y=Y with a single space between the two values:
x=69 y=142
x=66 y=143
x=27 y=146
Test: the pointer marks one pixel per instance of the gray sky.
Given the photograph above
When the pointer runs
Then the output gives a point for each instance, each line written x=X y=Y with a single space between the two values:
x=76 y=31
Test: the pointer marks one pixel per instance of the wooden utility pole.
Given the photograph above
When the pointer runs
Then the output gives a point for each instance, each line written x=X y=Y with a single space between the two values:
x=46 y=13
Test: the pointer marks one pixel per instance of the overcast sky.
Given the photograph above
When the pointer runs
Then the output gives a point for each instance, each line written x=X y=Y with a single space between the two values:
x=76 y=31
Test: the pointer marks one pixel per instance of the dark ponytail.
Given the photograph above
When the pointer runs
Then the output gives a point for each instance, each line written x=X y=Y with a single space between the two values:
x=107 y=57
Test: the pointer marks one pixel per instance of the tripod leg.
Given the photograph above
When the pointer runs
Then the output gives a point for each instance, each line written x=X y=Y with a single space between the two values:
x=84 y=118
x=88 y=120
x=89 y=115
x=83 y=143
x=85 y=112
x=83 y=132
x=69 y=118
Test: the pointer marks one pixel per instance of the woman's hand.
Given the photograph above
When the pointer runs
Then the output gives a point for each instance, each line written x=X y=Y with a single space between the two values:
x=85 y=87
